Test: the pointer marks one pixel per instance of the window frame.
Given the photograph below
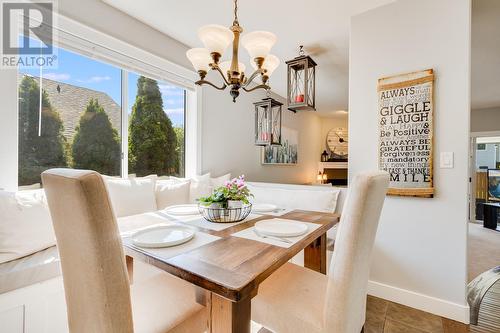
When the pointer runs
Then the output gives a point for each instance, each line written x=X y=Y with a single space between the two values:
x=85 y=41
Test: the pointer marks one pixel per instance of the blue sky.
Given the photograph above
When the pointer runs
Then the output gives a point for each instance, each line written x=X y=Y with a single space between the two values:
x=81 y=71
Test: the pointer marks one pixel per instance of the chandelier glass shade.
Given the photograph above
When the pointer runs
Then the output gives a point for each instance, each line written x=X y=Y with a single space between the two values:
x=271 y=62
x=258 y=43
x=216 y=39
x=200 y=58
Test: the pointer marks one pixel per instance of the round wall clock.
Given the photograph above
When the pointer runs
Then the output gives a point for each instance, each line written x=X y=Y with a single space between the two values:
x=337 y=142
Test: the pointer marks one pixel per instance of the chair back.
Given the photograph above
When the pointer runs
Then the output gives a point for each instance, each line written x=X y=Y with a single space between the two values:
x=95 y=277
x=350 y=265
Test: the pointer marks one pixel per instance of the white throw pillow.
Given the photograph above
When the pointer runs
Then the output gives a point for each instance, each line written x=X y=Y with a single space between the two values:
x=200 y=186
x=131 y=196
x=25 y=224
x=219 y=181
x=169 y=192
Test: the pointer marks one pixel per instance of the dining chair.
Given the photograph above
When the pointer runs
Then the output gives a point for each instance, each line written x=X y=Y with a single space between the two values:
x=297 y=299
x=98 y=295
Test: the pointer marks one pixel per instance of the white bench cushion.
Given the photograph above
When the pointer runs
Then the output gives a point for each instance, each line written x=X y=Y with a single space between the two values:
x=305 y=197
x=25 y=224
x=40 y=266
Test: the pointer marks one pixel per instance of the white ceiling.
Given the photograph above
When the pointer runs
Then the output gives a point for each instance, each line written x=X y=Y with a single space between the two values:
x=485 y=54
x=322 y=26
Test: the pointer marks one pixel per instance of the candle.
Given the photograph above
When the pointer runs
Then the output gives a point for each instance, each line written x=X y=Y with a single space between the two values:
x=299 y=98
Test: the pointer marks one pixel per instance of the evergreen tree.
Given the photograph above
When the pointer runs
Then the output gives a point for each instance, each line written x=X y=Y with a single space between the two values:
x=96 y=144
x=179 y=151
x=152 y=140
x=42 y=150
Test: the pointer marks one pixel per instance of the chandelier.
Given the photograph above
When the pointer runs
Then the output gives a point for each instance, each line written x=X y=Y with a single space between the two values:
x=216 y=39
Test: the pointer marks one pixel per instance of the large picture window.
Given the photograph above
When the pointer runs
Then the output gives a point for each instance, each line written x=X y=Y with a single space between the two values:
x=72 y=117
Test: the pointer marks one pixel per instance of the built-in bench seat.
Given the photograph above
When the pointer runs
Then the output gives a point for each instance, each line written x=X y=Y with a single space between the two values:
x=37 y=267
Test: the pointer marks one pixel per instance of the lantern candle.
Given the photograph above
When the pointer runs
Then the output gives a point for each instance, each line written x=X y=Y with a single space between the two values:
x=299 y=98
x=268 y=122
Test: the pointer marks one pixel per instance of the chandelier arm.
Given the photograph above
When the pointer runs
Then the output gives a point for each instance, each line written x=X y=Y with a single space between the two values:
x=200 y=82
x=260 y=86
x=252 y=77
x=227 y=83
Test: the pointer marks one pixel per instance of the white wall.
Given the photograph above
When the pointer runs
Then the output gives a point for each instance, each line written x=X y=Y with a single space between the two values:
x=228 y=139
x=420 y=250
x=485 y=120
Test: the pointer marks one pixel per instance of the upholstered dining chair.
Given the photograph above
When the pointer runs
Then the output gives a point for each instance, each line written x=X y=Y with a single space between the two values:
x=296 y=299
x=98 y=295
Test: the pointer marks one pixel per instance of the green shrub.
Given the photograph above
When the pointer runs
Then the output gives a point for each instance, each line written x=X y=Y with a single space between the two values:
x=96 y=144
x=42 y=150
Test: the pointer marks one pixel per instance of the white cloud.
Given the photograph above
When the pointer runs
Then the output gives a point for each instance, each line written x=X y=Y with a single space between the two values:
x=174 y=111
x=95 y=79
x=57 y=76
x=169 y=90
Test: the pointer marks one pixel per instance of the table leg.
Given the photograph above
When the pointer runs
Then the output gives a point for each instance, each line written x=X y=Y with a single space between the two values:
x=315 y=255
x=230 y=317
x=130 y=268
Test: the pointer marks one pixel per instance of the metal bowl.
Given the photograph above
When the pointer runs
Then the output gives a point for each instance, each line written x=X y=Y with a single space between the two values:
x=224 y=215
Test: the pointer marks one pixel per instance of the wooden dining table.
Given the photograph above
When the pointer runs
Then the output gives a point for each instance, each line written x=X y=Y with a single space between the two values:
x=228 y=271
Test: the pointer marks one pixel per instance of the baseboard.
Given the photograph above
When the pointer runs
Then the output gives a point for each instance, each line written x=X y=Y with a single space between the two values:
x=440 y=307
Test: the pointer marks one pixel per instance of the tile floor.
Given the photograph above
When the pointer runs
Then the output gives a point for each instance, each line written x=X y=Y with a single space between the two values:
x=387 y=317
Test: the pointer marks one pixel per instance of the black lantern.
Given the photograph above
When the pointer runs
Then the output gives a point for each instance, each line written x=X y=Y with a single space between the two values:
x=268 y=122
x=301 y=93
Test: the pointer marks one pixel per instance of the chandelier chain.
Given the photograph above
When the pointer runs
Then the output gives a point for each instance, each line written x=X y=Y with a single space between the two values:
x=235 y=22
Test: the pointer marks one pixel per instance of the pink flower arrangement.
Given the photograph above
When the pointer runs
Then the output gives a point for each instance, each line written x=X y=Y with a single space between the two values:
x=238 y=182
x=232 y=190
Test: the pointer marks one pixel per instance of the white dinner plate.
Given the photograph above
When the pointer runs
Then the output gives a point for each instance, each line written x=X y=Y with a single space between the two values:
x=191 y=209
x=263 y=208
x=163 y=236
x=281 y=228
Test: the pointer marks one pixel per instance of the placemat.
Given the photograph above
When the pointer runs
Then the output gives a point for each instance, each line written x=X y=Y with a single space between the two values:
x=199 y=239
x=249 y=233
x=276 y=212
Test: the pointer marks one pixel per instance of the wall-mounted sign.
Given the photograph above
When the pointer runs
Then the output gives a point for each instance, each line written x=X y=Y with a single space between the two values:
x=406 y=129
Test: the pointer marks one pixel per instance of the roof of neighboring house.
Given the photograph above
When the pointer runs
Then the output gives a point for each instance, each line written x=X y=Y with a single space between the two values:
x=71 y=101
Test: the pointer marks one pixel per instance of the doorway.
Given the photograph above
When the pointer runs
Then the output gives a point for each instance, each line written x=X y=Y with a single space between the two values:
x=484 y=159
